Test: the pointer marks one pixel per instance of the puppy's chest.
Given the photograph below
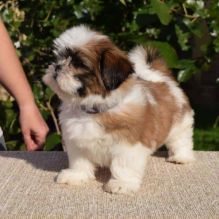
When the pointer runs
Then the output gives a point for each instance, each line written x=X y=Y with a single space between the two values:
x=81 y=127
x=84 y=132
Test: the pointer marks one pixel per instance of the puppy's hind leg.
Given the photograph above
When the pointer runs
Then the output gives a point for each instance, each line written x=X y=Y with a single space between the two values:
x=180 y=140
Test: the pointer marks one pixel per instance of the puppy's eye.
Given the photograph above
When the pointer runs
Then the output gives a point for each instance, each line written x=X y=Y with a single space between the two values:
x=81 y=91
x=76 y=78
x=77 y=63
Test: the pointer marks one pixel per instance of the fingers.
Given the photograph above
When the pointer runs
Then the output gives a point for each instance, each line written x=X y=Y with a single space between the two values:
x=33 y=126
x=40 y=137
x=29 y=142
x=34 y=139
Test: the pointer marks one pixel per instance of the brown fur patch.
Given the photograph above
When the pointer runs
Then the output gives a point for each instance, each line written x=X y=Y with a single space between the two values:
x=155 y=61
x=90 y=85
x=159 y=64
x=111 y=65
x=149 y=124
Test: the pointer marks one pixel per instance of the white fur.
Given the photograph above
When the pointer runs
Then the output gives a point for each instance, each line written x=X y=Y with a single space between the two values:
x=68 y=84
x=176 y=92
x=149 y=97
x=49 y=80
x=76 y=37
x=143 y=70
x=136 y=95
x=65 y=86
x=117 y=98
x=179 y=141
x=138 y=57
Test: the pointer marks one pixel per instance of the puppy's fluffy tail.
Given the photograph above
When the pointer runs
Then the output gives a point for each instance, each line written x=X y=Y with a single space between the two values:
x=148 y=64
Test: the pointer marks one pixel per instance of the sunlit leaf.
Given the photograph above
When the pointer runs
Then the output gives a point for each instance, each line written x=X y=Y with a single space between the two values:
x=162 y=11
x=52 y=140
x=123 y=2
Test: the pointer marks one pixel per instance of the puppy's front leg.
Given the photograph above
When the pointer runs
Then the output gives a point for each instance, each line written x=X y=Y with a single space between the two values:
x=80 y=168
x=127 y=168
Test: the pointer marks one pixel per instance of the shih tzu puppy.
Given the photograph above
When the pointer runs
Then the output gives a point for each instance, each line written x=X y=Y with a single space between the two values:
x=116 y=110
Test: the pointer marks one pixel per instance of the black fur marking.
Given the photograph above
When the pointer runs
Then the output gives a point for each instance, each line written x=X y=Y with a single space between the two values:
x=57 y=67
x=76 y=60
x=55 y=75
x=114 y=71
x=81 y=91
x=89 y=82
x=152 y=54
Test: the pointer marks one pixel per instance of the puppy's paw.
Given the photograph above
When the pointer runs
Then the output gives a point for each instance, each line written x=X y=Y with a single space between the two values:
x=121 y=187
x=71 y=177
x=182 y=158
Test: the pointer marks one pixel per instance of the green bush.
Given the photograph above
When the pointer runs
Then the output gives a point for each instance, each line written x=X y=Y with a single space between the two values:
x=185 y=32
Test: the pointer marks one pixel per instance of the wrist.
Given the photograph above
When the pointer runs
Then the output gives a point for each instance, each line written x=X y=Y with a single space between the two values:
x=27 y=105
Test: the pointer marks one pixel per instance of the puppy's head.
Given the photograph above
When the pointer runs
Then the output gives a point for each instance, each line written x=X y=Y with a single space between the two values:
x=87 y=64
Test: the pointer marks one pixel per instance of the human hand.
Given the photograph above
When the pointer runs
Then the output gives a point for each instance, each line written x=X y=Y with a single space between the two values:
x=33 y=127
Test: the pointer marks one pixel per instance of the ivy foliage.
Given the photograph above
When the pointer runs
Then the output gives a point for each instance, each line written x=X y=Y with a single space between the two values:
x=185 y=33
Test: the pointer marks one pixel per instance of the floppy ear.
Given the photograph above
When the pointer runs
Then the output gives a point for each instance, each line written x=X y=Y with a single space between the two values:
x=114 y=68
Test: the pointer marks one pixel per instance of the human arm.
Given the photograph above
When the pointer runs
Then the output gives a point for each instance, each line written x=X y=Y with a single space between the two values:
x=12 y=77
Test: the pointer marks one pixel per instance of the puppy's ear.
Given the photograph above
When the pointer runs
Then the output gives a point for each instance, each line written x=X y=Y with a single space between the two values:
x=114 y=68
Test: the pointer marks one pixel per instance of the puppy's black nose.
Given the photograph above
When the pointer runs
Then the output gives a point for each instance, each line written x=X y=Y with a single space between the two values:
x=57 y=69
x=55 y=75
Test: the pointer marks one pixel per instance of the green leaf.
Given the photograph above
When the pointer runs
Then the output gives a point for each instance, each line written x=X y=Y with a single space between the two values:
x=184 y=75
x=162 y=11
x=185 y=63
x=38 y=90
x=183 y=38
x=52 y=140
x=167 y=52
x=49 y=93
x=216 y=45
x=11 y=145
x=10 y=118
x=123 y=2
x=187 y=72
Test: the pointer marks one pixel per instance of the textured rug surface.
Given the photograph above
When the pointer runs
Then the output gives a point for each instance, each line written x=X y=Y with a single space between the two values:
x=28 y=190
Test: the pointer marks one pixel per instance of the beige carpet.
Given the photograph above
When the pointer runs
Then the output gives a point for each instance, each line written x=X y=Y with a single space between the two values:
x=27 y=190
